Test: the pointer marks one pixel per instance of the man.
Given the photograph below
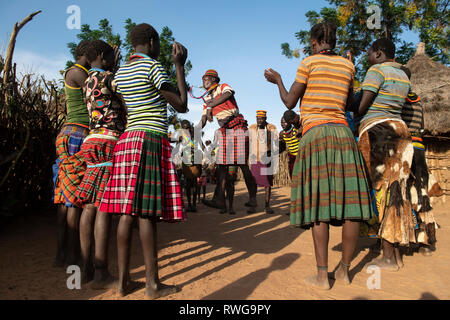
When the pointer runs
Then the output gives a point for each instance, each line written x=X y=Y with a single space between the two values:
x=233 y=137
x=261 y=136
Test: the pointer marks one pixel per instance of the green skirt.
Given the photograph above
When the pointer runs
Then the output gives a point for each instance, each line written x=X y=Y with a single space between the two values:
x=329 y=183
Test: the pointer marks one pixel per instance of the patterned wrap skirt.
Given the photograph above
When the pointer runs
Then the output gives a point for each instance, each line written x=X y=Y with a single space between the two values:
x=97 y=151
x=329 y=183
x=261 y=178
x=144 y=180
x=70 y=166
x=233 y=142
x=388 y=152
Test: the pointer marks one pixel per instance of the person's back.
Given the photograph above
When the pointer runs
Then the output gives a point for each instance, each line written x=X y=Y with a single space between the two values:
x=391 y=85
x=139 y=82
x=328 y=78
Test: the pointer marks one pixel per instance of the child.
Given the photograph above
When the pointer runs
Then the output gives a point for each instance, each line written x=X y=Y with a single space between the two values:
x=143 y=184
x=70 y=166
x=107 y=122
x=326 y=191
x=386 y=145
x=220 y=103
x=192 y=169
x=290 y=123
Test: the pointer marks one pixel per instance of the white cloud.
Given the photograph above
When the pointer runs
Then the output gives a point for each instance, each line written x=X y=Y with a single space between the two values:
x=32 y=62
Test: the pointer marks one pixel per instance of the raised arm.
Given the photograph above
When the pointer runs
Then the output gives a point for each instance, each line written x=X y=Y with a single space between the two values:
x=177 y=98
x=295 y=93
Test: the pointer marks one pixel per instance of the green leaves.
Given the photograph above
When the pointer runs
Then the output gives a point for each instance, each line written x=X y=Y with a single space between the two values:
x=428 y=18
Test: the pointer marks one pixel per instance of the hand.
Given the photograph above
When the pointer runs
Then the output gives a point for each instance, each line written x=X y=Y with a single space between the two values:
x=209 y=115
x=179 y=54
x=272 y=76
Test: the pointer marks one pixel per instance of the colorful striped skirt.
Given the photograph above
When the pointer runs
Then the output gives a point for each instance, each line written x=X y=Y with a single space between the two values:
x=329 y=183
x=97 y=151
x=70 y=164
x=144 y=182
x=233 y=142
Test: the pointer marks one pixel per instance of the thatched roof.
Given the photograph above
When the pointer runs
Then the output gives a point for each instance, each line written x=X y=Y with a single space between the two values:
x=431 y=81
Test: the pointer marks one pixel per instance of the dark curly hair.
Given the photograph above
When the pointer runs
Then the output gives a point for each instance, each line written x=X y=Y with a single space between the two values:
x=325 y=31
x=385 y=45
x=81 y=49
x=289 y=115
x=96 y=48
x=142 y=34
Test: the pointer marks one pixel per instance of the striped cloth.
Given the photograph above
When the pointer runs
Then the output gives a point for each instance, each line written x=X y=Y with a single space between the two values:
x=329 y=183
x=139 y=82
x=291 y=140
x=412 y=113
x=233 y=142
x=71 y=166
x=328 y=79
x=391 y=84
x=97 y=151
x=144 y=182
x=225 y=111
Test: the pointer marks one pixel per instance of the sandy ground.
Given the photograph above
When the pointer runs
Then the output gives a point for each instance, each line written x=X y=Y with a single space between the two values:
x=221 y=257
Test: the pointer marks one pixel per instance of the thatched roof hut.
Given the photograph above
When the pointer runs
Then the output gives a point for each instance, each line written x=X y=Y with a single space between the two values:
x=431 y=81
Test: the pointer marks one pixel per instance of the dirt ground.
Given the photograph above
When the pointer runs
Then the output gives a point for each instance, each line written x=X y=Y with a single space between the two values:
x=220 y=256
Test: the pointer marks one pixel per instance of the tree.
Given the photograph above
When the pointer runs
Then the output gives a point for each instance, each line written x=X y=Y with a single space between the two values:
x=105 y=33
x=355 y=35
x=430 y=20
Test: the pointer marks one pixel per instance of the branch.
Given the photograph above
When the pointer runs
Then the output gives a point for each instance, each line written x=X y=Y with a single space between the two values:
x=11 y=46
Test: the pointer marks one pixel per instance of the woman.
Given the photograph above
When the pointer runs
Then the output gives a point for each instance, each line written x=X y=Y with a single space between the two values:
x=329 y=185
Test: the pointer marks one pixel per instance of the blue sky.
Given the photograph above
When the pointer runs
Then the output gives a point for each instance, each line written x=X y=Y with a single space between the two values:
x=238 y=38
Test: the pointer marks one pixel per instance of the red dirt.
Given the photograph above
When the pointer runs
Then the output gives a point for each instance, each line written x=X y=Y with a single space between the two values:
x=214 y=256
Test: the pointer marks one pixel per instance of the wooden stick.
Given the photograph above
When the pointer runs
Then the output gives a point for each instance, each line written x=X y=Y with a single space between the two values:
x=11 y=46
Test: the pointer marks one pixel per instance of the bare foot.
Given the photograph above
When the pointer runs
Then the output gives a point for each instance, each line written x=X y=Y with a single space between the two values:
x=341 y=275
x=108 y=282
x=87 y=275
x=162 y=290
x=314 y=281
x=398 y=258
x=231 y=211
x=130 y=287
x=383 y=264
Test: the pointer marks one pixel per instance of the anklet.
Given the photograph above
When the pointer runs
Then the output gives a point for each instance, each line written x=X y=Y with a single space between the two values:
x=345 y=265
x=322 y=268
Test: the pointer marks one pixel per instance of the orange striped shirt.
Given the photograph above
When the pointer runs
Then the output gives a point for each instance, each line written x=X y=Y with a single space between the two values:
x=327 y=79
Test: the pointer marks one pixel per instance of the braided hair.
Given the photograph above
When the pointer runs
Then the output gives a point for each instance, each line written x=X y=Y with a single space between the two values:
x=325 y=31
